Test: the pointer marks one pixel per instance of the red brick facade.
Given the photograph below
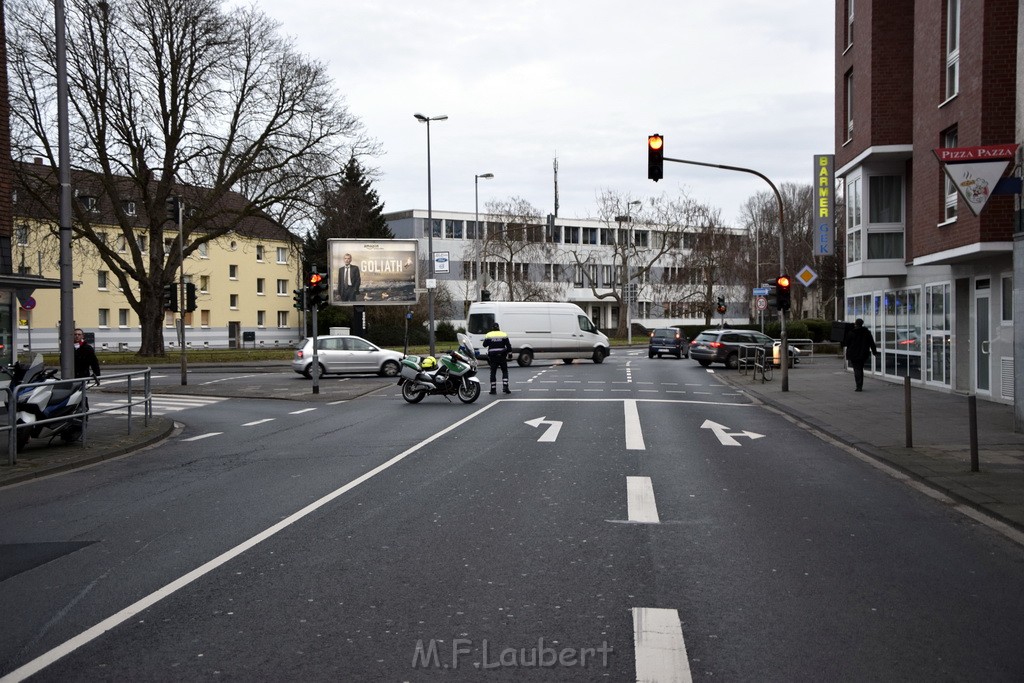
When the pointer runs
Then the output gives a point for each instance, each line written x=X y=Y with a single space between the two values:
x=898 y=62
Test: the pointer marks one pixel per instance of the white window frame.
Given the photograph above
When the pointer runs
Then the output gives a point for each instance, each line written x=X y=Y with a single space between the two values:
x=950 y=138
x=854 y=220
x=848 y=81
x=282 y=320
x=260 y=287
x=282 y=255
x=952 y=48
x=282 y=287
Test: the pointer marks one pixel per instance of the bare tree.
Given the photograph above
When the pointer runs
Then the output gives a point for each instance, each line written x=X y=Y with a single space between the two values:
x=515 y=241
x=189 y=98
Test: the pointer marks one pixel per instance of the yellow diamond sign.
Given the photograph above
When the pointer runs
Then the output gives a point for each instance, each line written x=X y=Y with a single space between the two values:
x=807 y=276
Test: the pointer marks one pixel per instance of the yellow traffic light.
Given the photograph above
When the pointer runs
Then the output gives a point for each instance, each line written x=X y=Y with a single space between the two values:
x=655 y=157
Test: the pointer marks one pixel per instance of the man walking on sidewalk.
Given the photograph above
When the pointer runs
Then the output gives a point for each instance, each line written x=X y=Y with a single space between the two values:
x=859 y=346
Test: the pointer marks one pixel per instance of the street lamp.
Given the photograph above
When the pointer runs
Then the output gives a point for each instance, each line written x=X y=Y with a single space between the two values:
x=431 y=283
x=625 y=265
x=479 y=233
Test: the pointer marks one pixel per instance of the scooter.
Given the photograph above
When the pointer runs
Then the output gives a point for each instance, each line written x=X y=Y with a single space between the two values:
x=453 y=373
x=49 y=400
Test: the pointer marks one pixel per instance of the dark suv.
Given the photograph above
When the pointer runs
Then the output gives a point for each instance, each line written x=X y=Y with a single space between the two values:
x=725 y=346
x=668 y=340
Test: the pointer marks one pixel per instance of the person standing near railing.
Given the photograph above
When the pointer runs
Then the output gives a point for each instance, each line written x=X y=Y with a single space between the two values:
x=86 y=363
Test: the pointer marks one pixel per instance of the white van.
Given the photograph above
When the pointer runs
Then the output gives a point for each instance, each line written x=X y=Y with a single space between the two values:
x=538 y=330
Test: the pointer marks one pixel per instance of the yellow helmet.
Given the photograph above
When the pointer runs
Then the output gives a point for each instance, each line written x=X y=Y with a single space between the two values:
x=429 y=363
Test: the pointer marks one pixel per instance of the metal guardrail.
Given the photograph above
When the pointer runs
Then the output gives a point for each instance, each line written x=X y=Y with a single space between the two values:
x=132 y=379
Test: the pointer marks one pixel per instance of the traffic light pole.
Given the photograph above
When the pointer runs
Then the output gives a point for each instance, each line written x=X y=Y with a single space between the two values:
x=316 y=358
x=181 y=294
x=784 y=351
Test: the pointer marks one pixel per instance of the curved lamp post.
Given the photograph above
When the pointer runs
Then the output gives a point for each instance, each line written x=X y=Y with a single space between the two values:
x=479 y=233
x=430 y=231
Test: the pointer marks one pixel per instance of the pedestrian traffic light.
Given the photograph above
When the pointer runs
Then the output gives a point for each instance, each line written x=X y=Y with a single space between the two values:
x=655 y=157
x=173 y=209
x=300 y=299
x=317 y=288
x=782 y=292
x=190 y=297
x=171 y=297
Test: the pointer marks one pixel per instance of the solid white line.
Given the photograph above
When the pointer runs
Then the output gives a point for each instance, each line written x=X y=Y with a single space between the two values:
x=259 y=422
x=69 y=646
x=634 y=432
x=640 y=504
x=197 y=438
x=659 y=647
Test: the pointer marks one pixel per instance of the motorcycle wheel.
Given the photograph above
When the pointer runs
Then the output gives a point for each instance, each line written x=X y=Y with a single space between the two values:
x=412 y=394
x=469 y=392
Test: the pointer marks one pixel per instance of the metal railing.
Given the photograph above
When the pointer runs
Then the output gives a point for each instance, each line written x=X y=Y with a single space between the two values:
x=130 y=399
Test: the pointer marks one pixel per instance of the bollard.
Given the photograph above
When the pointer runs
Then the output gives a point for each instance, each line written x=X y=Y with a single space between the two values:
x=972 y=419
x=908 y=423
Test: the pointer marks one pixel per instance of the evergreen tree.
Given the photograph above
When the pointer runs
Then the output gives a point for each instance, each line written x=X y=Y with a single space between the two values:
x=350 y=209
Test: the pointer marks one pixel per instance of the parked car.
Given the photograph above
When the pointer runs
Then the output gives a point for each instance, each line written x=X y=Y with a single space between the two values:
x=668 y=340
x=340 y=354
x=724 y=346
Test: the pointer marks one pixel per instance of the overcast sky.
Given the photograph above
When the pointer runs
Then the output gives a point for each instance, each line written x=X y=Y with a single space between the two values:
x=743 y=83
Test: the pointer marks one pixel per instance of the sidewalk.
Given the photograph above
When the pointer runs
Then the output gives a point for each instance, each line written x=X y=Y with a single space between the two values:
x=821 y=394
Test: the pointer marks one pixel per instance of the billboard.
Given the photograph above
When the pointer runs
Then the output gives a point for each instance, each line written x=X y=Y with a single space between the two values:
x=372 y=272
x=825 y=220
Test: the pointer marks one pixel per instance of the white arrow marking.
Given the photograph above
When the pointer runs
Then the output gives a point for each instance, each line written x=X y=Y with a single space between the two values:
x=551 y=433
x=724 y=436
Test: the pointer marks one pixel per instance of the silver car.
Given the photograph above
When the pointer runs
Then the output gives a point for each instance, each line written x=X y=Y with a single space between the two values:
x=337 y=355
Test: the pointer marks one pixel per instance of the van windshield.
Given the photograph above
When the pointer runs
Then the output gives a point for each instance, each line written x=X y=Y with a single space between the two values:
x=480 y=323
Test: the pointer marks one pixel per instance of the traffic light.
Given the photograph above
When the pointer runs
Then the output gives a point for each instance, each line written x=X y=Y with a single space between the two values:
x=772 y=296
x=655 y=157
x=300 y=299
x=782 y=292
x=317 y=288
x=721 y=304
x=190 y=297
x=171 y=297
x=173 y=209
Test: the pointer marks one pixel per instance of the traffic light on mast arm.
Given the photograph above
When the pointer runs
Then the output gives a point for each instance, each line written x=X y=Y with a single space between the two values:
x=655 y=157
x=782 y=292
x=317 y=287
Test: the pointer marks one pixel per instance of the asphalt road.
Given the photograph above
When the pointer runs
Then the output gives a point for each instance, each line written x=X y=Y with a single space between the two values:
x=636 y=519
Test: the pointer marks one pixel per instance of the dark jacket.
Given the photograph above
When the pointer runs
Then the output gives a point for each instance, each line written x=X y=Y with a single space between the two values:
x=86 y=364
x=497 y=344
x=859 y=345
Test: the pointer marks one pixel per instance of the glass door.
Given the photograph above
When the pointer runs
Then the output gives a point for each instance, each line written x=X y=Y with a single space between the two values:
x=982 y=370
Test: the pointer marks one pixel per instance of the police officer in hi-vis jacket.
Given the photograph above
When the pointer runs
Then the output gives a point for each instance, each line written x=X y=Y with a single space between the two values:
x=498 y=347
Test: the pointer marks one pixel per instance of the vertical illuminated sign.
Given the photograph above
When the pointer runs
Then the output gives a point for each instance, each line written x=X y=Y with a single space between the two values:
x=824 y=205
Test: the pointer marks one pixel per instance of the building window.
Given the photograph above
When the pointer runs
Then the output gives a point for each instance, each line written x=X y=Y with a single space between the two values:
x=1007 y=303
x=129 y=207
x=21 y=235
x=849 y=23
x=950 y=139
x=642 y=238
x=204 y=283
x=885 y=245
x=282 y=286
x=233 y=301
x=103 y=317
x=259 y=287
x=848 y=96
x=232 y=272
x=101 y=279
x=885 y=199
x=952 y=48
x=204 y=317
x=122 y=244
x=282 y=319
x=203 y=249
x=572 y=234
x=141 y=240
x=122 y=317
x=261 y=319
x=853 y=221
x=88 y=203
x=282 y=255
x=589 y=235
x=259 y=253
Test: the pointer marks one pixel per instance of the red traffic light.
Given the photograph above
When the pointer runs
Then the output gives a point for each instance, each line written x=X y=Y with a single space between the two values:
x=655 y=157
x=315 y=279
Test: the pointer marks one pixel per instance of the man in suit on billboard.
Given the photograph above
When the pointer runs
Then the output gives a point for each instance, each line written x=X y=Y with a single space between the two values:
x=348 y=280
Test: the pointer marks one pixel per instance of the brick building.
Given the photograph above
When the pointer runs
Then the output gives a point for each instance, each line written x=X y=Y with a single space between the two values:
x=933 y=281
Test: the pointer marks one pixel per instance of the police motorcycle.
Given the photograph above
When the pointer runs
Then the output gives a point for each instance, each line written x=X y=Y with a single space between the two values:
x=452 y=373
x=49 y=400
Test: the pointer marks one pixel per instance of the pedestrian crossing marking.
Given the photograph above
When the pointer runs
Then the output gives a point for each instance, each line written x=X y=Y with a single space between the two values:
x=162 y=404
